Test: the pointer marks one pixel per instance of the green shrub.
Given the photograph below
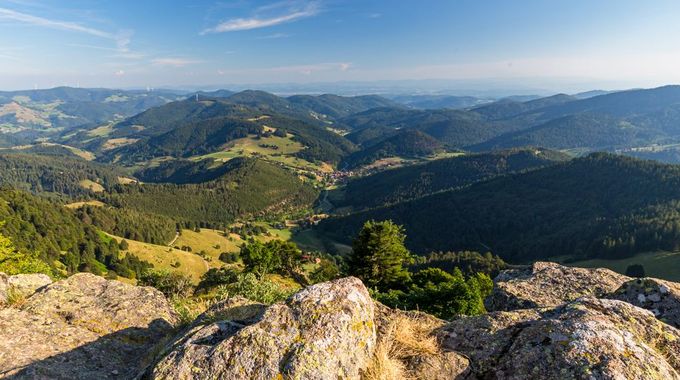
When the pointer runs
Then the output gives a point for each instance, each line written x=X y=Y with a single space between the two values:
x=253 y=288
x=172 y=284
x=217 y=276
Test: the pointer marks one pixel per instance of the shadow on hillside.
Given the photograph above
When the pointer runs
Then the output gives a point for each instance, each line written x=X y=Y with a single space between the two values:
x=124 y=354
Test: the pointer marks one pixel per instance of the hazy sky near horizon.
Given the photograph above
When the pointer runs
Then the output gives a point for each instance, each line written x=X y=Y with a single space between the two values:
x=595 y=43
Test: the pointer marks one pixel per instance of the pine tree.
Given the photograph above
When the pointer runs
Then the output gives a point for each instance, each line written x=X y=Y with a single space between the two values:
x=379 y=256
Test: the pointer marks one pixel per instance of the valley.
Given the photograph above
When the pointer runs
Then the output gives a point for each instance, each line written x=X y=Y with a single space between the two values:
x=204 y=164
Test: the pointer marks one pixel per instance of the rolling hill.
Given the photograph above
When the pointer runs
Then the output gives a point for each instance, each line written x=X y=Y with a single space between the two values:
x=589 y=131
x=601 y=205
x=55 y=175
x=406 y=143
x=409 y=182
x=453 y=128
x=248 y=188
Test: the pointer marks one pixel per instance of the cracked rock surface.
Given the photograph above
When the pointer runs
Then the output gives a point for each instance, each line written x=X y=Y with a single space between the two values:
x=546 y=284
x=585 y=339
x=325 y=331
x=83 y=327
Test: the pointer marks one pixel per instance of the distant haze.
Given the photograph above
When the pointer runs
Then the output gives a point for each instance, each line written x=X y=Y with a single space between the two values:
x=485 y=48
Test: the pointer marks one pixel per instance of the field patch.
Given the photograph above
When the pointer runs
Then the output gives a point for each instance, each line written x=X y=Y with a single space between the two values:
x=91 y=185
x=660 y=264
x=162 y=257
x=213 y=242
x=272 y=148
x=118 y=142
x=77 y=205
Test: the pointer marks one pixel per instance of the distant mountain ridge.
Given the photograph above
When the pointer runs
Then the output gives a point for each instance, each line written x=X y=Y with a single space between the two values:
x=67 y=107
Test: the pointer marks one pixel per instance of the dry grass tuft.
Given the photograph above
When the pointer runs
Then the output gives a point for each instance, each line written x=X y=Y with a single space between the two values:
x=405 y=337
x=414 y=336
x=385 y=364
x=15 y=298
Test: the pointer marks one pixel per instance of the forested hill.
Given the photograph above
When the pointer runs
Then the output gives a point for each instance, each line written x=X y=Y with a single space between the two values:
x=601 y=205
x=53 y=174
x=401 y=184
x=407 y=143
x=250 y=187
x=453 y=128
x=200 y=137
x=335 y=106
x=568 y=132
x=54 y=235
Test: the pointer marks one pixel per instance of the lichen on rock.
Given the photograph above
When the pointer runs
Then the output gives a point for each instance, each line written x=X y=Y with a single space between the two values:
x=84 y=327
x=546 y=284
x=324 y=331
x=660 y=297
x=583 y=339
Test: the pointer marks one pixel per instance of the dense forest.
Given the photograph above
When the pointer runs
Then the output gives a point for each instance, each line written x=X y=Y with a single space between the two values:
x=56 y=236
x=409 y=182
x=54 y=174
x=129 y=223
x=251 y=187
x=408 y=143
x=601 y=205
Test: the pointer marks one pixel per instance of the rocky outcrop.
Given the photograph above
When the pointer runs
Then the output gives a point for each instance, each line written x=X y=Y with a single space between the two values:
x=660 y=297
x=584 y=339
x=547 y=284
x=84 y=327
x=21 y=285
x=325 y=331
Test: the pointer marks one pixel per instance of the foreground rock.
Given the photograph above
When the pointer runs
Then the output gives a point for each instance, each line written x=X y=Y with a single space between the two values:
x=660 y=297
x=21 y=285
x=325 y=331
x=547 y=284
x=585 y=339
x=84 y=327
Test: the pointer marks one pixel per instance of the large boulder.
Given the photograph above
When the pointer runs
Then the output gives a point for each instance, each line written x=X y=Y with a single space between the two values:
x=325 y=331
x=84 y=327
x=546 y=284
x=585 y=339
x=660 y=297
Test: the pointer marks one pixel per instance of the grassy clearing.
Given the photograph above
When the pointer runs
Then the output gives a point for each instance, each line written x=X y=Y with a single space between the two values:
x=660 y=264
x=116 y=143
x=89 y=156
x=266 y=146
x=76 y=205
x=213 y=242
x=272 y=148
x=162 y=257
x=126 y=180
x=101 y=131
x=91 y=185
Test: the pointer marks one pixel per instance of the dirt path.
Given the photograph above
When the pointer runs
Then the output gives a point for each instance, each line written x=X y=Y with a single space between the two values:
x=174 y=240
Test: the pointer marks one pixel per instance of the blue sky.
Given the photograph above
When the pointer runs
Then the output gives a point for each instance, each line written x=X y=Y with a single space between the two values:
x=549 y=43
